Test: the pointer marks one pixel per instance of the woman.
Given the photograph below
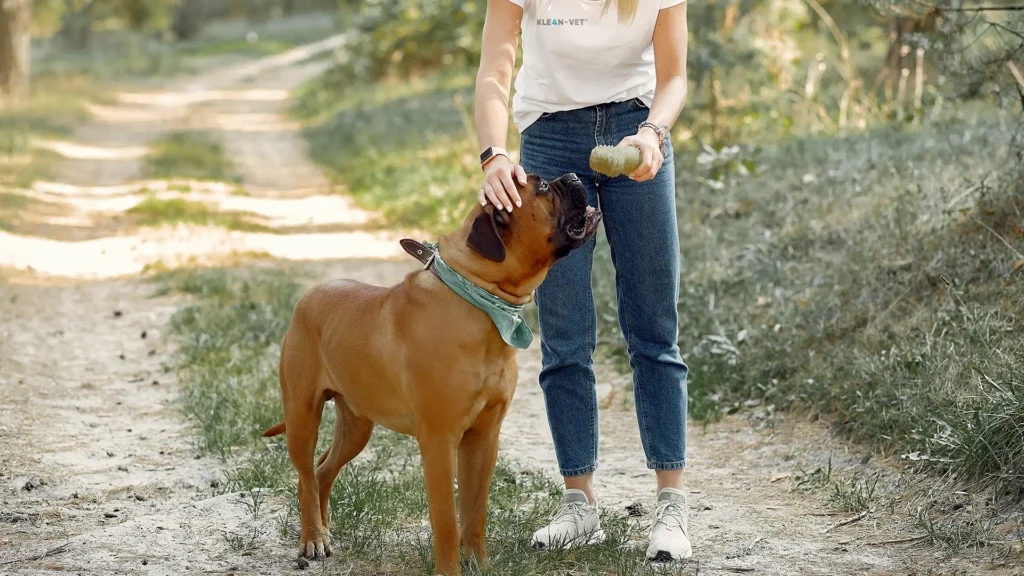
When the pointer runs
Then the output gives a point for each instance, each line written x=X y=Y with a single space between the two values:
x=598 y=72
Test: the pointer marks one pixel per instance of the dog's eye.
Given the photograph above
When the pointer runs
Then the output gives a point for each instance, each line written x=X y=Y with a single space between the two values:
x=543 y=188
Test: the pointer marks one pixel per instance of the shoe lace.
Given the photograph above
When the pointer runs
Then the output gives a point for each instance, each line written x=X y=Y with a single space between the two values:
x=672 y=515
x=571 y=512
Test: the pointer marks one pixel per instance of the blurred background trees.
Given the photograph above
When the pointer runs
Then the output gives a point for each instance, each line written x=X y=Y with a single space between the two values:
x=834 y=64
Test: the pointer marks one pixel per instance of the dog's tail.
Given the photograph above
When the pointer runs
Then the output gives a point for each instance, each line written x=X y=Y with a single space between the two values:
x=274 y=430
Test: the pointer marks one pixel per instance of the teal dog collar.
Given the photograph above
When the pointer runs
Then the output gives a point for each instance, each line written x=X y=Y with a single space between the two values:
x=507 y=317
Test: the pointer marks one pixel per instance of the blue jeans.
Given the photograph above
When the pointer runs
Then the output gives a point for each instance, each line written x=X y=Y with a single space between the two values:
x=640 y=224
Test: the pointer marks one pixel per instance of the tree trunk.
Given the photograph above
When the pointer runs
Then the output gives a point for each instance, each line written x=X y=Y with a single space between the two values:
x=14 y=47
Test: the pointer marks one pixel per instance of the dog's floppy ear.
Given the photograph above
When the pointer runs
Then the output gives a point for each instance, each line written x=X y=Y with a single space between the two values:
x=484 y=237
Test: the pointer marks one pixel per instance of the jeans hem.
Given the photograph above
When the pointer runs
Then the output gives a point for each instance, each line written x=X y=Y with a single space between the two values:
x=677 y=465
x=578 y=471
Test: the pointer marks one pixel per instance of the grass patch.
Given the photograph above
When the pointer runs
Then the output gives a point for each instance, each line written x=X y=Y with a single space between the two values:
x=227 y=365
x=868 y=278
x=11 y=206
x=406 y=150
x=193 y=155
x=155 y=212
x=54 y=106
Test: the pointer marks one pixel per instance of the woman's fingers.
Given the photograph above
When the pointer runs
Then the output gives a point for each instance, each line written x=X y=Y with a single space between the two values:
x=521 y=175
x=643 y=172
x=492 y=196
x=510 y=188
x=500 y=198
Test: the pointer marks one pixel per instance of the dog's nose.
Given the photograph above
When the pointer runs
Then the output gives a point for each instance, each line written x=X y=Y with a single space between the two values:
x=570 y=179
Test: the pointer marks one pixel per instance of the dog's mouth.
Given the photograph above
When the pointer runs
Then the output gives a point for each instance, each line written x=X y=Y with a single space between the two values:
x=585 y=225
x=579 y=220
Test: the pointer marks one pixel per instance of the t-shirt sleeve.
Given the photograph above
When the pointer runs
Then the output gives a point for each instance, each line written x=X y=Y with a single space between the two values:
x=664 y=3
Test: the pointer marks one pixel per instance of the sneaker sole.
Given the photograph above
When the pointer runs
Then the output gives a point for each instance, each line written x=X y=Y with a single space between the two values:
x=597 y=537
x=665 y=557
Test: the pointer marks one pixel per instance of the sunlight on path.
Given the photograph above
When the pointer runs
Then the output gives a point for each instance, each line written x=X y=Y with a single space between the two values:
x=181 y=246
x=310 y=209
x=244 y=106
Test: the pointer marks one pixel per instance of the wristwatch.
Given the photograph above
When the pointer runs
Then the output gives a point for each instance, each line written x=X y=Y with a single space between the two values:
x=661 y=130
x=491 y=153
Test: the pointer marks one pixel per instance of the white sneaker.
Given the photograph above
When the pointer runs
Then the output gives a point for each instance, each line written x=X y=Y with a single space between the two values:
x=670 y=537
x=576 y=524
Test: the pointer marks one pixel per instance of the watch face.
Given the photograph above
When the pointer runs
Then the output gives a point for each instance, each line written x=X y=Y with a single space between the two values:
x=486 y=154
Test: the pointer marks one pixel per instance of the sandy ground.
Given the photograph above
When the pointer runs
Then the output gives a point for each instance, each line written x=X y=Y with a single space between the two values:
x=98 y=473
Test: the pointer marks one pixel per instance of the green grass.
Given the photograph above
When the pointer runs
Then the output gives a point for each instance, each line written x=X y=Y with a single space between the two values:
x=155 y=211
x=54 y=106
x=194 y=155
x=405 y=150
x=11 y=206
x=227 y=365
x=821 y=284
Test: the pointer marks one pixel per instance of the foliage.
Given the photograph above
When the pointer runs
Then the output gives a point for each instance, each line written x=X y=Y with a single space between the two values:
x=871 y=278
x=405 y=37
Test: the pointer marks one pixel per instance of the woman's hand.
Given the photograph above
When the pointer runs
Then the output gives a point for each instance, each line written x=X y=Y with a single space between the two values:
x=498 y=187
x=650 y=153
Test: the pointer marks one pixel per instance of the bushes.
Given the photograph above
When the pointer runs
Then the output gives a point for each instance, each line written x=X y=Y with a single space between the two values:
x=403 y=37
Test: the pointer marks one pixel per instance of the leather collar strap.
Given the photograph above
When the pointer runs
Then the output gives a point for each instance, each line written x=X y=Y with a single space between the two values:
x=507 y=317
x=417 y=250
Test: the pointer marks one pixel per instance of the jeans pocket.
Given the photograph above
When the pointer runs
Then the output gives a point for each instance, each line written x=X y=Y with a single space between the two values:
x=640 y=103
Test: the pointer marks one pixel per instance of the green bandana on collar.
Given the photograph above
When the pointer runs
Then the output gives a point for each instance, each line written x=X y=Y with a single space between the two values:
x=507 y=317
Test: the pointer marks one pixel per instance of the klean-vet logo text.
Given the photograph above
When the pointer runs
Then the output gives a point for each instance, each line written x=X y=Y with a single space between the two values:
x=561 y=21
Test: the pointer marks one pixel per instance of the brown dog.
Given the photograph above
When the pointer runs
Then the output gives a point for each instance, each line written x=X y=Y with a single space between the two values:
x=419 y=359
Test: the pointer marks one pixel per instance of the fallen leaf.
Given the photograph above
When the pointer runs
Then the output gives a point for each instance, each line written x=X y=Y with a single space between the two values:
x=802 y=302
x=1018 y=264
x=781 y=476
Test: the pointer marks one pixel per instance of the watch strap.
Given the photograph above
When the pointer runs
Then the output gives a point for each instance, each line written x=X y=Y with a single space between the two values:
x=491 y=153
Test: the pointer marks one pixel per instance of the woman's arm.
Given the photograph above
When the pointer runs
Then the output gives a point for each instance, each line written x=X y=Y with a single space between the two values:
x=497 y=61
x=670 y=37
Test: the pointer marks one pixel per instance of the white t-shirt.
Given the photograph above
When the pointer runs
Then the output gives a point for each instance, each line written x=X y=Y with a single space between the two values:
x=576 y=54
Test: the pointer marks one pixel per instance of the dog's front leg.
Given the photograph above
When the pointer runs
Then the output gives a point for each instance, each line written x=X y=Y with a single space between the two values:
x=438 y=452
x=478 y=453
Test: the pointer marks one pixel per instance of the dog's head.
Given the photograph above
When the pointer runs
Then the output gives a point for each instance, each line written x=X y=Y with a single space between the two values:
x=518 y=247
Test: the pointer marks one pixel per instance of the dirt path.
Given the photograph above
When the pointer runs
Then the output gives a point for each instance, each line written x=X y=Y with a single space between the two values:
x=97 y=467
x=85 y=234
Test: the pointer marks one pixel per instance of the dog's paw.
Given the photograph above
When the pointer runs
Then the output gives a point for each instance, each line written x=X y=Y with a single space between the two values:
x=317 y=545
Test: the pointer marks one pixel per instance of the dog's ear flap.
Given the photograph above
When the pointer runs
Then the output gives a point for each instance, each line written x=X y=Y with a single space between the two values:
x=484 y=238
